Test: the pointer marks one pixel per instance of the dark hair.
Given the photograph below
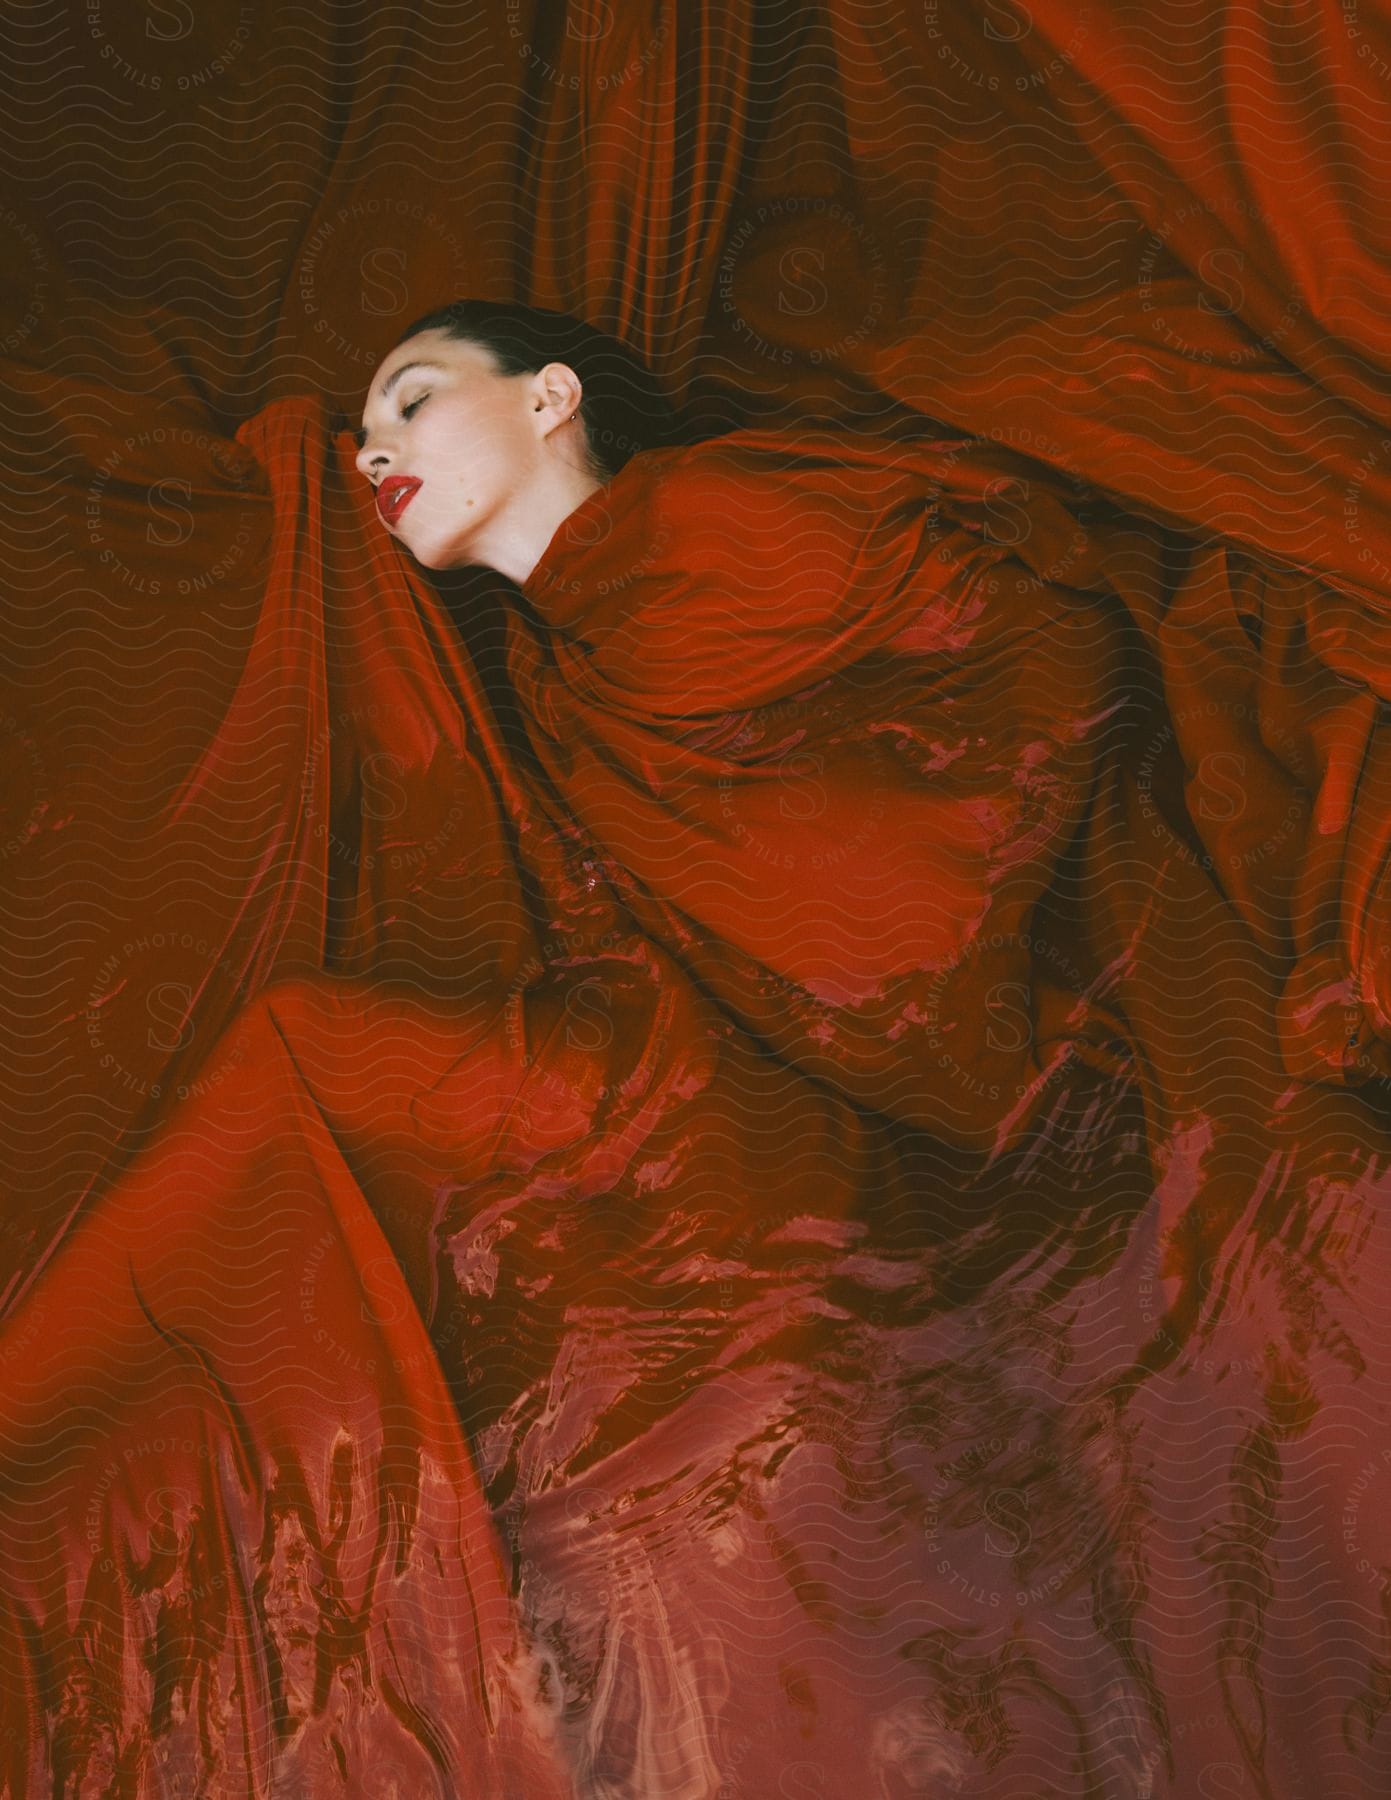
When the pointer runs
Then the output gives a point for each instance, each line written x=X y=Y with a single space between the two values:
x=623 y=408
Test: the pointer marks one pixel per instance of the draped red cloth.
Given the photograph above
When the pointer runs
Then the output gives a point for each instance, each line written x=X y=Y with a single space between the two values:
x=759 y=1167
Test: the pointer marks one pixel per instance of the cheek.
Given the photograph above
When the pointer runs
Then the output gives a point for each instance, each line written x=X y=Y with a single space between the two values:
x=467 y=461
x=489 y=471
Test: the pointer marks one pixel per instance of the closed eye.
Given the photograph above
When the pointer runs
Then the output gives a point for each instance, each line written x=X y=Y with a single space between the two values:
x=360 y=437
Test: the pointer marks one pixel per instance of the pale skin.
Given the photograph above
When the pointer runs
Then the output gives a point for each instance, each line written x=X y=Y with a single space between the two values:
x=500 y=458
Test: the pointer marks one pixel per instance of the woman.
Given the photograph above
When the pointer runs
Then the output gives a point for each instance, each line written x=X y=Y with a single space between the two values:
x=666 y=1282
x=829 y=740
x=707 y=1345
x=876 y=752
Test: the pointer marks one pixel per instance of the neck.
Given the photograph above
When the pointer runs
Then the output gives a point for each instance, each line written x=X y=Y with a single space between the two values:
x=514 y=541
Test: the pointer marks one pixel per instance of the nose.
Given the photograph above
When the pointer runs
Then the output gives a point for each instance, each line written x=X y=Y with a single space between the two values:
x=373 y=462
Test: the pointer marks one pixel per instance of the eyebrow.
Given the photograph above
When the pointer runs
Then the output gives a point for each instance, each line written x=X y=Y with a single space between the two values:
x=360 y=437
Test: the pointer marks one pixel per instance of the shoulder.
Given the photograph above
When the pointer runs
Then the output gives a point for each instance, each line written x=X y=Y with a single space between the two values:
x=791 y=454
x=671 y=482
x=760 y=485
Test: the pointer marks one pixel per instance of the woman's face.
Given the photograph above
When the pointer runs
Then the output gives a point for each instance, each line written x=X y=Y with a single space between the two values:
x=451 y=446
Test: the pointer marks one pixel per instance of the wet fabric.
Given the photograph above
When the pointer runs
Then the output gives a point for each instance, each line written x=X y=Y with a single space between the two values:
x=759 y=1167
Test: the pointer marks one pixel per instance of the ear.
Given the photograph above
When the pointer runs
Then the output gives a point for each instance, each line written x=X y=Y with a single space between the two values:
x=556 y=389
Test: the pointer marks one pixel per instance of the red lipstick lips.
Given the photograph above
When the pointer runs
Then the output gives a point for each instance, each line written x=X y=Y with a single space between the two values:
x=394 y=496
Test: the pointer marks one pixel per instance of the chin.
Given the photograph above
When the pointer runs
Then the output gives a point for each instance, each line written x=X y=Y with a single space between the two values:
x=436 y=554
x=450 y=558
x=429 y=556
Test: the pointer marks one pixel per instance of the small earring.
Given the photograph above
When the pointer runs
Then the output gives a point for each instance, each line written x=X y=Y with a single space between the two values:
x=574 y=415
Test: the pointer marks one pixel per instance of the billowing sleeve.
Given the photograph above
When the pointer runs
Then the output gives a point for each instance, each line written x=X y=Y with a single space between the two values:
x=734 y=574
x=830 y=743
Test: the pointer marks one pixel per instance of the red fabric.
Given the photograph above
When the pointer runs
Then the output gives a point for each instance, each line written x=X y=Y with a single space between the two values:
x=760 y=1167
x=838 y=786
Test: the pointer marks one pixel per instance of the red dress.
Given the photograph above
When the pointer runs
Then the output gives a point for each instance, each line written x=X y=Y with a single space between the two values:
x=657 y=1289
